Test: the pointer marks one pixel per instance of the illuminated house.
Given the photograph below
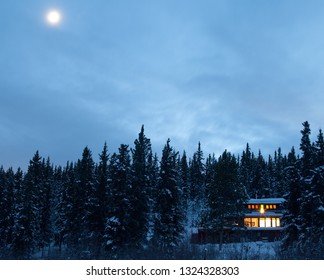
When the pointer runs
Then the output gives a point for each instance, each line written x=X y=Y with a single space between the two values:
x=263 y=218
x=261 y=221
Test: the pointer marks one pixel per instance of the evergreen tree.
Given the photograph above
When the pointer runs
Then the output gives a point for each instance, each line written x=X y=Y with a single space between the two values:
x=184 y=178
x=6 y=210
x=119 y=226
x=225 y=195
x=26 y=229
x=319 y=149
x=59 y=207
x=291 y=217
x=100 y=212
x=71 y=211
x=307 y=149
x=259 y=182
x=169 y=218
x=153 y=167
x=45 y=206
x=140 y=190
x=88 y=201
x=18 y=244
x=279 y=188
x=245 y=169
x=197 y=180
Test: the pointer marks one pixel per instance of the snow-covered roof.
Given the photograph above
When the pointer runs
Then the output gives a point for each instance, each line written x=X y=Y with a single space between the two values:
x=267 y=214
x=266 y=201
x=264 y=228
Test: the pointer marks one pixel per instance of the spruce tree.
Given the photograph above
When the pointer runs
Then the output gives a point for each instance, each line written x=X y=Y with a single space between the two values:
x=88 y=201
x=197 y=180
x=6 y=210
x=245 y=169
x=184 y=178
x=101 y=197
x=18 y=245
x=45 y=207
x=139 y=198
x=27 y=223
x=169 y=217
x=291 y=219
x=71 y=211
x=306 y=149
x=119 y=224
x=225 y=195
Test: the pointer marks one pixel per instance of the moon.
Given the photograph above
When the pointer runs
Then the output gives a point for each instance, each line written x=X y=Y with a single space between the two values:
x=53 y=17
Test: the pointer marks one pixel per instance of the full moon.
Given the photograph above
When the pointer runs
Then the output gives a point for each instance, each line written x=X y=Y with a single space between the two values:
x=53 y=17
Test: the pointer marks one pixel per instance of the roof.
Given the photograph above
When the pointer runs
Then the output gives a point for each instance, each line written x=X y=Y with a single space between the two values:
x=266 y=201
x=268 y=214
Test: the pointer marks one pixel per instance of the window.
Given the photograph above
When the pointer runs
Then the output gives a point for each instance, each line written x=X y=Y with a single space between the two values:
x=251 y=222
x=274 y=206
x=249 y=206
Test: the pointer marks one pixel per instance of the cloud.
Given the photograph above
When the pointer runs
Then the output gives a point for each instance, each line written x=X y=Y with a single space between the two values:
x=220 y=72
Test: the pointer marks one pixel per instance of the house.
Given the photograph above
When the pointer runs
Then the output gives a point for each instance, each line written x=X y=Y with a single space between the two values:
x=262 y=221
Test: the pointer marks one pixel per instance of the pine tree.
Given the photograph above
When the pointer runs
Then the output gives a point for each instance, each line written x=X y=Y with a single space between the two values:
x=100 y=212
x=169 y=218
x=291 y=217
x=259 y=182
x=307 y=149
x=88 y=200
x=70 y=211
x=119 y=224
x=197 y=180
x=139 y=198
x=245 y=169
x=153 y=167
x=6 y=210
x=45 y=206
x=184 y=178
x=18 y=246
x=59 y=194
x=27 y=224
x=225 y=195
x=319 y=149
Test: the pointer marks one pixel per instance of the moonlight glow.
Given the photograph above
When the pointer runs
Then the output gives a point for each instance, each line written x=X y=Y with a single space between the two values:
x=53 y=17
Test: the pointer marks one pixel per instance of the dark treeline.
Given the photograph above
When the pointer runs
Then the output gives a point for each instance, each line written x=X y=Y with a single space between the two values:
x=132 y=205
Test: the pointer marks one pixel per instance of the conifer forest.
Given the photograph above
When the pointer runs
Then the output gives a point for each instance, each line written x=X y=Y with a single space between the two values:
x=132 y=204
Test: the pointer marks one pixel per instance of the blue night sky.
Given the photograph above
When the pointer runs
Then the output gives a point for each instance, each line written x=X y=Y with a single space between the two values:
x=220 y=72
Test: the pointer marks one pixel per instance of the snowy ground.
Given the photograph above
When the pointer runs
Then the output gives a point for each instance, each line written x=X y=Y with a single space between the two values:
x=238 y=251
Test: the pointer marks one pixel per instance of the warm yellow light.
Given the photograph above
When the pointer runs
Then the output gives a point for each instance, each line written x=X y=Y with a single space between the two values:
x=262 y=209
x=53 y=17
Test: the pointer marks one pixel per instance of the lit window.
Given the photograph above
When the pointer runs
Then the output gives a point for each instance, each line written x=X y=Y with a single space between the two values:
x=252 y=206
x=257 y=206
x=274 y=206
x=249 y=206
x=274 y=224
x=251 y=222
x=255 y=222
x=267 y=206
x=262 y=222
x=270 y=206
x=262 y=209
x=268 y=222
x=278 y=222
